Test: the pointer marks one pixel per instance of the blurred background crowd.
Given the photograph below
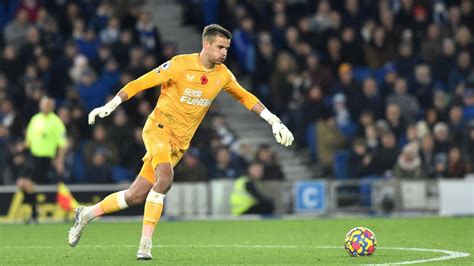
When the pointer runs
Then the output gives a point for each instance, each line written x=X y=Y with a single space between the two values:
x=383 y=88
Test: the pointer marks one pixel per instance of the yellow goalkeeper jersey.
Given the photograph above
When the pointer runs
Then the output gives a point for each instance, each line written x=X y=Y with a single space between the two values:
x=187 y=91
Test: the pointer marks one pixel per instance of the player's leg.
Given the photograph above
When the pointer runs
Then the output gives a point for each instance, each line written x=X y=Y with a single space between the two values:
x=27 y=186
x=36 y=174
x=134 y=195
x=154 y=208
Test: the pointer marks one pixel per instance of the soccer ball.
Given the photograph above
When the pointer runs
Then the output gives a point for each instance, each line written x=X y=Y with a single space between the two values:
x=360 y=241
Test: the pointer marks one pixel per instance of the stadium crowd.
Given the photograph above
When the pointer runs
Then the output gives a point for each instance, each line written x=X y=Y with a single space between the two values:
x=81 y=53
x=378 y=87
x=383 y=88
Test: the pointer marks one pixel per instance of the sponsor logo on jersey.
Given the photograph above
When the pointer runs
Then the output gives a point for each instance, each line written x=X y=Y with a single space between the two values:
x=193 y=97
x=189 y=77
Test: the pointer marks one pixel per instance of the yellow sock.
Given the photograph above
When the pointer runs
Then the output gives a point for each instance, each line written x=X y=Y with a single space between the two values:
x=112 y=203
x=153 y=209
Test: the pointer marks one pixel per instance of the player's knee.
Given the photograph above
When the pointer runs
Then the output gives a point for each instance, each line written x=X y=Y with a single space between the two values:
x=164 y=178
x=164 y=174
x=135 y=197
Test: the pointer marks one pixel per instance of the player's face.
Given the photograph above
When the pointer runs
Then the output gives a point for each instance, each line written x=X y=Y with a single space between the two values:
x=46 y=105
x=217 y=50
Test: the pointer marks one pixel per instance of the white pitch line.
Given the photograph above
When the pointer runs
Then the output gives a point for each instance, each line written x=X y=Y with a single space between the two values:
x=449 y=255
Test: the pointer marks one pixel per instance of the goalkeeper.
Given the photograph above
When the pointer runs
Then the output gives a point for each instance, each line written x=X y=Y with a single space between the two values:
x=189 y=84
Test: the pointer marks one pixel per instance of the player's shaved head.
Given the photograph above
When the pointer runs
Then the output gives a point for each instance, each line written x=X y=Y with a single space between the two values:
x=211 y=31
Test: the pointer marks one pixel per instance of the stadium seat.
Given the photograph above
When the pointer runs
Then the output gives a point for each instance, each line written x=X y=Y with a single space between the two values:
x=379 y=74
x=366 y=189
x=360 y=73
x=349 y=130
x=340 y=164
x=79 y=168
x=311 y=140
x=120 y=174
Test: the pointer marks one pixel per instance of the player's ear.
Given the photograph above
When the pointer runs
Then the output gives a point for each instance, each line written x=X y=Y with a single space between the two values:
x=205 y=43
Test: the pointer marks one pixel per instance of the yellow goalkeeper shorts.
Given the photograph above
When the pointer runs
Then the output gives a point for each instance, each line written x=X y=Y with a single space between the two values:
x=160 y=148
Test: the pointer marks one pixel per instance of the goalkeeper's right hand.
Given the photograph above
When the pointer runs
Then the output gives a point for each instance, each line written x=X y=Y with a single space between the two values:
x=105 y=110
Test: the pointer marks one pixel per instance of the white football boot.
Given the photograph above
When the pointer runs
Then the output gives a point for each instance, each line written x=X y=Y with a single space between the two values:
x=144 y=250
x=79 y=225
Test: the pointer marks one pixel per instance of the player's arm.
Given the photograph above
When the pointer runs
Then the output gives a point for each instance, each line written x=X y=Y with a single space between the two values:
x=165 y=73
x=282 y=134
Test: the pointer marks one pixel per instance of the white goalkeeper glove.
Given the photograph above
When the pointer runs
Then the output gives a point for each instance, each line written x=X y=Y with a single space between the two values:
x=105 y=110
x=280 y=131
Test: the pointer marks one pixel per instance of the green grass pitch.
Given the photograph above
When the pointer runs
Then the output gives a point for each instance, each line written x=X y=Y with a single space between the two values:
x=251 y=242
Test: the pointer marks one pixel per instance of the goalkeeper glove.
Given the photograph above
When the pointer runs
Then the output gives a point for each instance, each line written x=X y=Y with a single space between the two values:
x=105 y=110
x=280 y=131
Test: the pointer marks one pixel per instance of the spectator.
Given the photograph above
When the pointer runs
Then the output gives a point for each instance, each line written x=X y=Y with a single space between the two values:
x=408 y=164
x=281 y=89
x=461 y=71
x=455 y=164
x=406 y=60
x=440 y=105
x=352 y=51
x=386 y=155
x=469 y=104
x=359 y=160
x=100 y=150
x=99 y=170
x=318 y=74
x=191 y=169
x=410 y=135
x=468 y=147
x=407 y=103
x=244 y=47
x=343 y=118
x=10 y=63
x=224 y=166
x=265 y=59
x=121 y=131
x=111 y=33
x=148 y=34
x=456 y=124
x=369 y=99
x=424 y=86
x=246 y=198
x=329 y=141
x=445 y=62
x=431 y=46
x=10 y=120
x=271 y=168
x=347 y=85
x=395 y=121
x=440 y=161
x=371 y=138
x=88 y=44
x=378 y=51
x=441 y=136
x=467 y=14
x=427 y=156
x=15 y=32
